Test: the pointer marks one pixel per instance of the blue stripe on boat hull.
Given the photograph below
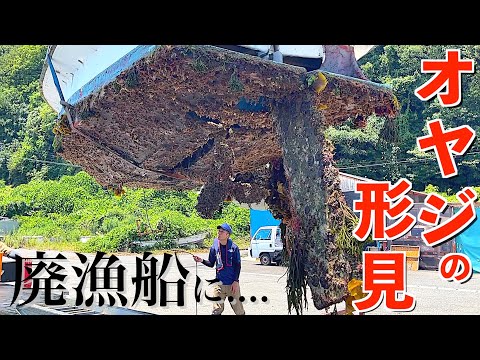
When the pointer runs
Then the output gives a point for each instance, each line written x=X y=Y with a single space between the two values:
x=110 y=73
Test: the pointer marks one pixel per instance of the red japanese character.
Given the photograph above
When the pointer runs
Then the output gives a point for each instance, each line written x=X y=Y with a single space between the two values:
x=434 y=201
x=384 y=275
x=455 y=267
x=372 y=201
x=455 y=224
x=447 y=76
x=444 y=143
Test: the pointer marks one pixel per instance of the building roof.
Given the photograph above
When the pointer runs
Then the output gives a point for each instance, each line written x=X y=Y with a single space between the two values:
x=348 y=181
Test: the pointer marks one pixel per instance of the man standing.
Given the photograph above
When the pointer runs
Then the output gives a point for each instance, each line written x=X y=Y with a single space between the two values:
x=225 y=255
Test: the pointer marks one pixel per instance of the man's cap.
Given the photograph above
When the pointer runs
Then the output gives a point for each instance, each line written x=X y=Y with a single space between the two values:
x=225 y=227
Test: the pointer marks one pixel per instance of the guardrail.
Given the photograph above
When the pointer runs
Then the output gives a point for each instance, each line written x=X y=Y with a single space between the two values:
x=194 y=239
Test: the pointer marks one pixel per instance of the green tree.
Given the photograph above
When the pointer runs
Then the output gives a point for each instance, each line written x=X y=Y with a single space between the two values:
x=368 y=152
x=26 y=121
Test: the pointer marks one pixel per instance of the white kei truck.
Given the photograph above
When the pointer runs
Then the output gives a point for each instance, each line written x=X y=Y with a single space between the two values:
x=266 y=245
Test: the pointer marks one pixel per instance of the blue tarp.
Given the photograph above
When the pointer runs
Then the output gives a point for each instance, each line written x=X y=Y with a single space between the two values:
x=468 y=242
x=259 y=218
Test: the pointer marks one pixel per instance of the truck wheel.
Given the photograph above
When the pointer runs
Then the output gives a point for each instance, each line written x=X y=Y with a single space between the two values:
x=265 y=259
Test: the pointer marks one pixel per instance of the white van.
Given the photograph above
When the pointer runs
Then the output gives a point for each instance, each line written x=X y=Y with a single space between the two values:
x=266 y=245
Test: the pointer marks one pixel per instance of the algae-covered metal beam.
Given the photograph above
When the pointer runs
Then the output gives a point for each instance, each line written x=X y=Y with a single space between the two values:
x=319 y=224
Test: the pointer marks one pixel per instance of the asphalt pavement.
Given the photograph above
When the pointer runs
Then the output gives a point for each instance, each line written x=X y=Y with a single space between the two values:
x=263 y=288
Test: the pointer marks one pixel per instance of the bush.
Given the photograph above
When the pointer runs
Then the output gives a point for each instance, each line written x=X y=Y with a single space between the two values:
x=173 y=225
x=77 y=206
x=118 y=239
x=237 y=217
